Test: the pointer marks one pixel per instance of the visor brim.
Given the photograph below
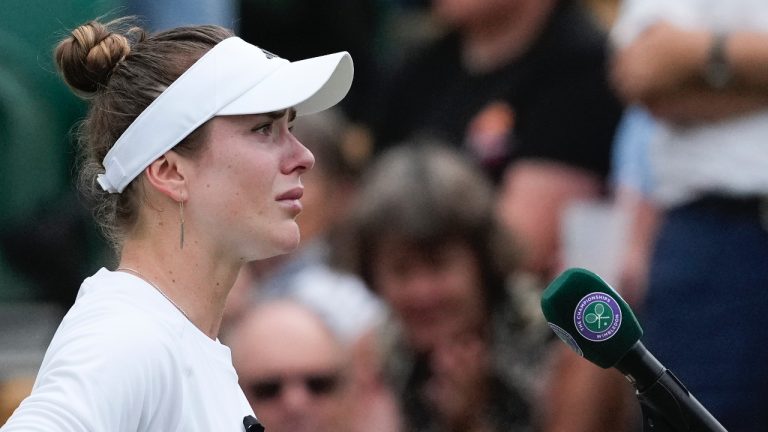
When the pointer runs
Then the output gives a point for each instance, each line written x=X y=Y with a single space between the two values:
x=309 y=86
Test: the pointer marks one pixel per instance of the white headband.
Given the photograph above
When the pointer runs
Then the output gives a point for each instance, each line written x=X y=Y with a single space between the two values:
x=233 y=78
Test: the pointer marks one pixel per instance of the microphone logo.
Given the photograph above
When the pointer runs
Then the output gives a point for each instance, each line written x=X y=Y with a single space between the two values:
x=597 y=317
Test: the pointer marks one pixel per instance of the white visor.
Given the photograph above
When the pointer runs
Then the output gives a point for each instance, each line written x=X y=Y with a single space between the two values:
x=233 y=78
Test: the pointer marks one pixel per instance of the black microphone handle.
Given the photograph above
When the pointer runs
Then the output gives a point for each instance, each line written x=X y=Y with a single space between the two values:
x=252 y=425
x=666 y=404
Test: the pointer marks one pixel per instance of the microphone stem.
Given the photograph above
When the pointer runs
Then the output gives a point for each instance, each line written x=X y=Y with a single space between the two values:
x=640 y=367
x=666 y=404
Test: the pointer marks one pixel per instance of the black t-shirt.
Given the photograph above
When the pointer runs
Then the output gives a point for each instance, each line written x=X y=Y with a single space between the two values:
x=552 y=103
x=324 y=27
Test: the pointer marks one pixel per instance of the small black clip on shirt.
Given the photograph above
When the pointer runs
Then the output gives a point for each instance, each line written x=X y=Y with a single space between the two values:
x=252 y=425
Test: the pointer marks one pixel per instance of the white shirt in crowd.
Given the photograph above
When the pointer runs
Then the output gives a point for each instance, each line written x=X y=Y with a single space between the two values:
x=728 y=156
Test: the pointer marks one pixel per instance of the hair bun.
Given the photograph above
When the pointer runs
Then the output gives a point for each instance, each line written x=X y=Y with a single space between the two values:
x=87 y=58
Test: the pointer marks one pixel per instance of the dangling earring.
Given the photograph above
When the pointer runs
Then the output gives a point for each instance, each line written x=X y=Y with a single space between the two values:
x=181 y=224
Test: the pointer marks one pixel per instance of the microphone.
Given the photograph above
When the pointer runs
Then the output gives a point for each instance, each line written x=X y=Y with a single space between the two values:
x=593 y=319
x=252 y=425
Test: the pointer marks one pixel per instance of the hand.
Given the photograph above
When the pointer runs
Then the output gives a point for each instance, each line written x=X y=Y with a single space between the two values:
x=460 y=373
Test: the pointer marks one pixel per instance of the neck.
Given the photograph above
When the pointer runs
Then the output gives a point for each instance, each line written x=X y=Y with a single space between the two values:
x=504 y=37
x=196 y=282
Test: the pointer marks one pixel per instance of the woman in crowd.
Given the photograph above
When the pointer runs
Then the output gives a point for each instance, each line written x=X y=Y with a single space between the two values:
x=423 y=236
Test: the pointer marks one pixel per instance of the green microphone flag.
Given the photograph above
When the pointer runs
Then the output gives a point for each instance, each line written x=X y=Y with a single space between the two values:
x=590 y=316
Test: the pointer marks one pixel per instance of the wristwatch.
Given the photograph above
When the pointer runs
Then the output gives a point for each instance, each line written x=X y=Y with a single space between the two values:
x=718 y=72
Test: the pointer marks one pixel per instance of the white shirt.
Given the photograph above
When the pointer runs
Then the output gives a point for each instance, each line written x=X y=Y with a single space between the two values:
x=729 y=156
x=125 y=359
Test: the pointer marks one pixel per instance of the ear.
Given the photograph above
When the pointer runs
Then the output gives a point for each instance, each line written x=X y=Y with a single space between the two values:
x=167 y=175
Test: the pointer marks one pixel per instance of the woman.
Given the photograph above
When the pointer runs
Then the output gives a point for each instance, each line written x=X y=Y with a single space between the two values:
x=190 y=158
x=423 y=236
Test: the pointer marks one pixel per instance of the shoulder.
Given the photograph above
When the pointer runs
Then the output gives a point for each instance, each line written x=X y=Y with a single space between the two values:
x=105 y=372
x=112 y=350
x=113 y=342
x=115 y=310
x=113 y=364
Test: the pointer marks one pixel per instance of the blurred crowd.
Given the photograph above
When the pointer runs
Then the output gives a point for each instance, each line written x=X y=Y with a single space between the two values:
x=485 y=146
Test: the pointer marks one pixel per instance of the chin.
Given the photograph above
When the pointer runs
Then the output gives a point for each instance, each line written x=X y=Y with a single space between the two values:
x=298 y=425
x=420 y=340
x=279 y=243
x=289 y=243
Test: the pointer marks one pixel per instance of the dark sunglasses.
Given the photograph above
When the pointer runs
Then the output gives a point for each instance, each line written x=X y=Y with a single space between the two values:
x=315 y=384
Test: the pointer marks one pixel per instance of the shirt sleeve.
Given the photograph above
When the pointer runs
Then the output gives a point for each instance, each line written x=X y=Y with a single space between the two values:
x=107 y=374
x=631 y=165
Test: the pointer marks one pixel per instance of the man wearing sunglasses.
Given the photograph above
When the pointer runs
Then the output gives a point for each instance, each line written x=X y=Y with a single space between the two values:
x=291 y=368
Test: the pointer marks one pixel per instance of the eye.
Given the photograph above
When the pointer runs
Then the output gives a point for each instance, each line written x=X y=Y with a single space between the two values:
x=263 y=128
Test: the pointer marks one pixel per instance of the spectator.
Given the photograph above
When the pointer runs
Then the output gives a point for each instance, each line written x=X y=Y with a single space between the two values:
x=699 y=67
x=521 y=87
x=423 y=236
x=293 y=368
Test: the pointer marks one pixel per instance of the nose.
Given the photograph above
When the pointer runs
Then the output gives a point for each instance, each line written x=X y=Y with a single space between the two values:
x=295 y=397
x=421 y=282
x=299 y=159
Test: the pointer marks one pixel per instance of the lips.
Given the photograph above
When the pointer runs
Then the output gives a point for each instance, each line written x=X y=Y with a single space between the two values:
x=291 y=195
x=290 y=200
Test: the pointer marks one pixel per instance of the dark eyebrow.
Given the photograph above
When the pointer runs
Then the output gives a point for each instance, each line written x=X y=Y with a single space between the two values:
x=277 y=114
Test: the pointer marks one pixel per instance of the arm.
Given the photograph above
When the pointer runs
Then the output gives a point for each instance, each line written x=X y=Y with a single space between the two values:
x=635 y=260
x=665 y=69
x=531 y=201
x=705 y=105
